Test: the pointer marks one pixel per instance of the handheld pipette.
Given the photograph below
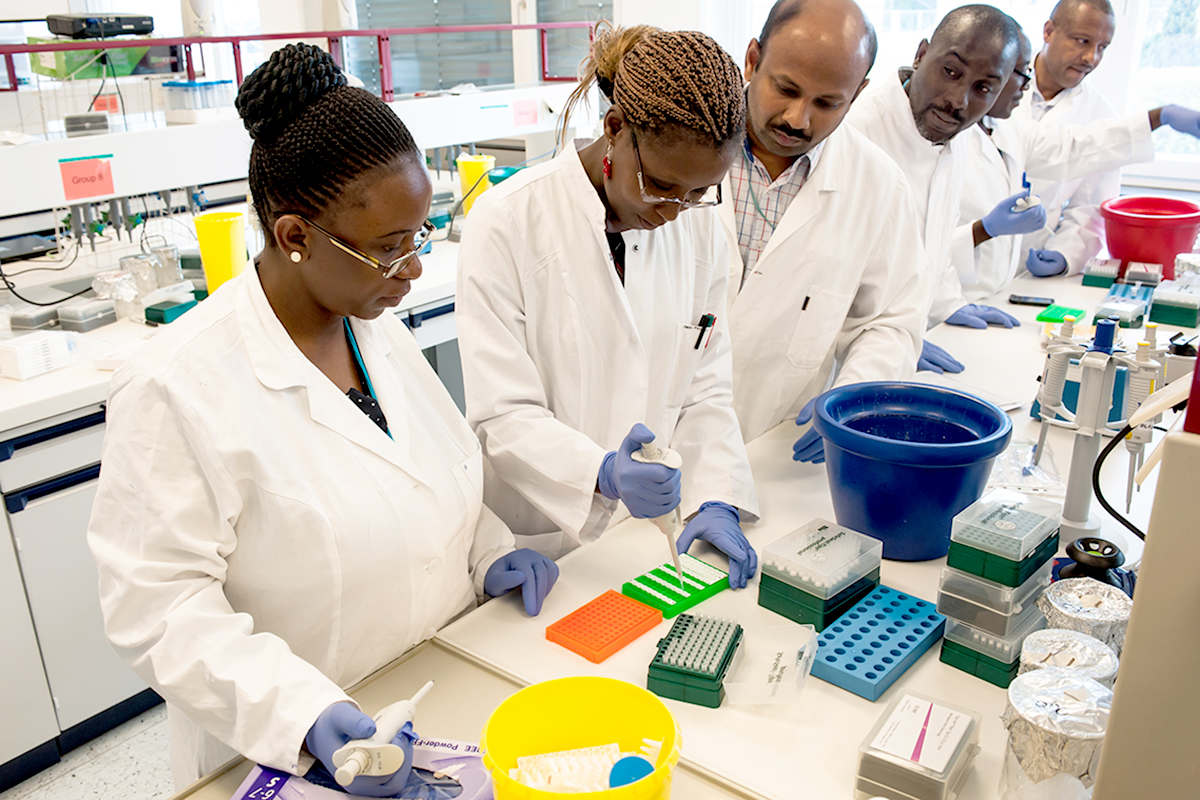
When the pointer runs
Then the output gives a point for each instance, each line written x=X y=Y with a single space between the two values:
x=377 y=755
x=667 y=523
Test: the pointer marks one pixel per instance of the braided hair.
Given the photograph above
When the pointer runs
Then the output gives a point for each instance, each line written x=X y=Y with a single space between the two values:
x=666 y=82
x=313 y=134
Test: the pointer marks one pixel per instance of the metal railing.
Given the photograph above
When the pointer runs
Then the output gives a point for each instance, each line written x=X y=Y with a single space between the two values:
x=334 y=39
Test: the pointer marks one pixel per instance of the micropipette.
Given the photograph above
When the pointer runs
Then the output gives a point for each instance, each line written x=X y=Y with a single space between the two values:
x=377 y=755
x=667 y=523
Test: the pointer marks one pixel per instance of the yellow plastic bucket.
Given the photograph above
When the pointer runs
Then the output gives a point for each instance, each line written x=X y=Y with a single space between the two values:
x=570 y=713
x=222 y=238
x=471 y=169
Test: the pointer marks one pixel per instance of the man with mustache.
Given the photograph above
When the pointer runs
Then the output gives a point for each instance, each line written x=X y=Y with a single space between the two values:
x=917 y=118
x=1076 y=36
x=828 y=280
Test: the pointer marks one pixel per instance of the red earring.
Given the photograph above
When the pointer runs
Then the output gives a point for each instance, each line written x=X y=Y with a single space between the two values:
x=606 y=163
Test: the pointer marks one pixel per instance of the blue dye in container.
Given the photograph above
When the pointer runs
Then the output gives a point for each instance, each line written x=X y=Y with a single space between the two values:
x=904 y=458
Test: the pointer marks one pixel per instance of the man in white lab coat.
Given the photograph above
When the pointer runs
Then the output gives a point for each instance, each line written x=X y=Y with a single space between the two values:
x=828 y=277
x=1002 y=149
x=957 y=74
x=1076 y=36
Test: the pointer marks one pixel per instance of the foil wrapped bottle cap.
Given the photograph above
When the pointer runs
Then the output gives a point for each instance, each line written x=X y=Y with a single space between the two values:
x=1070 y=650
x=1056 y=721
x=1088 y=606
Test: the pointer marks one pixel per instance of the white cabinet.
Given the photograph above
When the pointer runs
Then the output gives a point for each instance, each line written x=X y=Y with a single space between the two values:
x=60 y=680
x=24 y=695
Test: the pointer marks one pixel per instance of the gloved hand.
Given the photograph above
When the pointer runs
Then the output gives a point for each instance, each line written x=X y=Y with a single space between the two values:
x=1004 y=221
x=342 y=722
x=810 y=447
x=935 y=359
x=648 y=490
x=1184 y=120
x=974 y=315
x=719 y=525
x=530 y=570
x=1045 y=263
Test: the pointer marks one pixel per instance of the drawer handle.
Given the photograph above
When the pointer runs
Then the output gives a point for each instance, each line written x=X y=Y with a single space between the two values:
x=415 y=319
x=17 y=501
x=9 y=447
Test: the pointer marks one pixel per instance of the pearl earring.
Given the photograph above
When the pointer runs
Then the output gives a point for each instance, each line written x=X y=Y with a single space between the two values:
x=296 y=257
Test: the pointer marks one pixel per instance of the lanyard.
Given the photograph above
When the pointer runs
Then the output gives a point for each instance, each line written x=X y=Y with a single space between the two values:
x=750 y=186
x=362 y=367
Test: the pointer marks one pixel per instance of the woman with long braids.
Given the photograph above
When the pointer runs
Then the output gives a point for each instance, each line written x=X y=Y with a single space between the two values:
x=290 y=498
x=591 y=310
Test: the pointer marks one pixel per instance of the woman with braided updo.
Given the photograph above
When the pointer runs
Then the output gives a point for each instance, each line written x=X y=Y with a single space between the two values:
x=591 y=310
x=290 y=499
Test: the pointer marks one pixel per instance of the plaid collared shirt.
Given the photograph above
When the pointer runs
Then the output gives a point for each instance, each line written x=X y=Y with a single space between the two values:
x=750 y=181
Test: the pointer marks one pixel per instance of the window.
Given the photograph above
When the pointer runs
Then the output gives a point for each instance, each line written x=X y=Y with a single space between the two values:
x=568 y=48
x=1168 y=66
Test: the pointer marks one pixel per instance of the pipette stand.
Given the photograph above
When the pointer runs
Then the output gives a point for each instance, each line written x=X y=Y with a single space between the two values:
x=1097 y=371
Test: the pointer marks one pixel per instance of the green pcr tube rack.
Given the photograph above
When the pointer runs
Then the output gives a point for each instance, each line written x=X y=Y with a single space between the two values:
x=659 y=588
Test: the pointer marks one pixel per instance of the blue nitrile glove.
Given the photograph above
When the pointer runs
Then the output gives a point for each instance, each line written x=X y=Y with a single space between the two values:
x=935 y=359
x=530 y=570
x=648 y=490
x=1045 y=263
x=719 y=525
x=975 y=315
x=342 y=722
x=1184 y=120
x=1004 y=221
x=810 y=447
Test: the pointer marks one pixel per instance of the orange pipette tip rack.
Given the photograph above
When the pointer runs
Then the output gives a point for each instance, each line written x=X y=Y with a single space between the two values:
x=600 y=628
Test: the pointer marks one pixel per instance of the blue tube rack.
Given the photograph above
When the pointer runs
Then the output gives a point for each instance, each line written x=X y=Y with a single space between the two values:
x=873 y=643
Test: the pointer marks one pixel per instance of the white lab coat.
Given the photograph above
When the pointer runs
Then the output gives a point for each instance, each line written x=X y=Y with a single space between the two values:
x=1016 y=146
x=1074 y=226
x=261 y=543
x=560 y=360
x=935 y=176
x=841 y=289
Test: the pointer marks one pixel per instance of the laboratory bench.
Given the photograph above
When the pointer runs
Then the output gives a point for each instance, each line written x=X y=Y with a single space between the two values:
x=807 y=749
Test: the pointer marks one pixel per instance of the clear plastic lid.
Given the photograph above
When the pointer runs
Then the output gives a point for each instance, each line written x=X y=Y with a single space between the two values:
x=1006 y=649
x=822 y=558
x=1007 y=523
x=772 y=665
x=86 y=310
x=920 y=747
x=1004 y=600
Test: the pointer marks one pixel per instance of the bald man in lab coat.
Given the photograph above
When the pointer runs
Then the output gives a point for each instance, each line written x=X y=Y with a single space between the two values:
x=828 y=279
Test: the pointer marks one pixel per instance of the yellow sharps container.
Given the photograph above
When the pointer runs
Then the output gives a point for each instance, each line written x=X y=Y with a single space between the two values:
x=222 y=236
x=471 y=169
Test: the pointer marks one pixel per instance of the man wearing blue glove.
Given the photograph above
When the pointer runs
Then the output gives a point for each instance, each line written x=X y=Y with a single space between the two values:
x=916 y=117
x=1075 y=39
x=1004 y=149
x=828 y=278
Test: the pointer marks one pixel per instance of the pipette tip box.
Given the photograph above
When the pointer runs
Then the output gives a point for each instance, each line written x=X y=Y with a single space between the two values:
x=997 y=568
x=869 y=647
x=818 y=572
x=1101 y=272
x=603 y=626
x=995 y=659
x=1006 y=523
x=920 y=749
x=693 y=659
x=987 y=605
x=659 y=588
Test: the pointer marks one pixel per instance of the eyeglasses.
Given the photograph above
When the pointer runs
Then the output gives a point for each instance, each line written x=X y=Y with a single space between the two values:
x=1025 y=77
x=391 y=268
x=654 y=200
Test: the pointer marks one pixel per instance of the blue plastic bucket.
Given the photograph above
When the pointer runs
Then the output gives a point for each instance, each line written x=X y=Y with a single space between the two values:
x=904 y=458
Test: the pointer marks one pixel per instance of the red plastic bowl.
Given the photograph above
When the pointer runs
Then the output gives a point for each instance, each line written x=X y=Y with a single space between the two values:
x=1150 y=229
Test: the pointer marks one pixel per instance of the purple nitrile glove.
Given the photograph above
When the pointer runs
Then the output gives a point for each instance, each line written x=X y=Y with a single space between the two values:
x=1003 y=220
x=1184 y=120
x=935 y=359
x=341 y=723
x=647 y=490
x=530 y=570
x=1045 y=263
x=975 y=315
x=719 y=524
x=810 y=447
